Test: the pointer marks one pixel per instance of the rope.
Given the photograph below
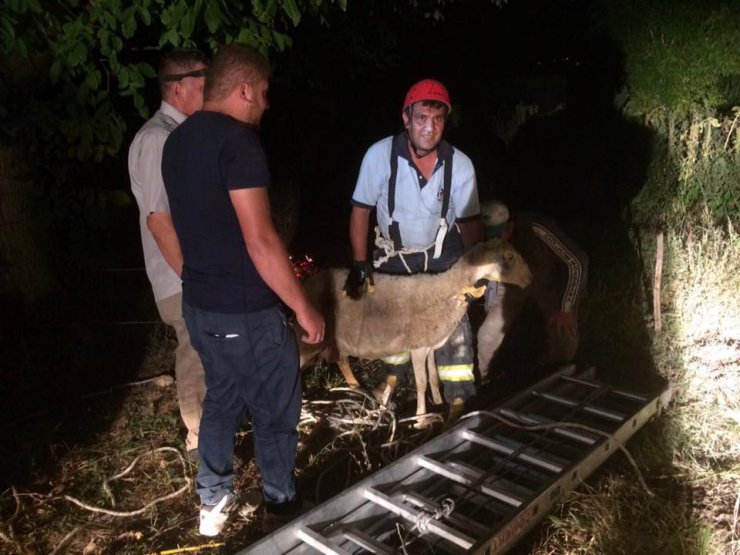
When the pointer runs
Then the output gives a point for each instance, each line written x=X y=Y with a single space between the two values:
x=386 y=245
x=130 y=467
x=425 y=517
x=534 y=427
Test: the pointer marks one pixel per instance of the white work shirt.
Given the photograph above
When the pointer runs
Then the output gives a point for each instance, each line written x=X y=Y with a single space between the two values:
x=417 y=209
x=145 y=170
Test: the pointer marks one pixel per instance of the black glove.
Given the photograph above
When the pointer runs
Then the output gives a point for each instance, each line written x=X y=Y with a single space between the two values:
x=359 y=280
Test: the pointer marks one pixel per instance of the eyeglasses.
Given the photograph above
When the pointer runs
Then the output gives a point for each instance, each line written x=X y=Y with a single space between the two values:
x=178 y=76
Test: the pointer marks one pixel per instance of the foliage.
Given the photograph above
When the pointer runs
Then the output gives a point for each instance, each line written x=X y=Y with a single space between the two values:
x=679 y=55
x=70 y=61
x=693 y=177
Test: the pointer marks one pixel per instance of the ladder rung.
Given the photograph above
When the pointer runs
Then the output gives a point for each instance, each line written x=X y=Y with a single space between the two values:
x=620 y=392
x=517 y=449
x=513 y=467
x=580 y=435
x=488 y=479
x=434 y=526
x=317 y=541
x=483 y=501
x=449 y=471
x=592 y=409
x=367 y=542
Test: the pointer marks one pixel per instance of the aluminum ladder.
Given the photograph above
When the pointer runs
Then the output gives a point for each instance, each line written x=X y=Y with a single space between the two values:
x=481 y=485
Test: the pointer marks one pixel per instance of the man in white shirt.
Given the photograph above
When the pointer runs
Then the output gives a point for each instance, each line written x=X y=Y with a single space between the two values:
x=181 y=79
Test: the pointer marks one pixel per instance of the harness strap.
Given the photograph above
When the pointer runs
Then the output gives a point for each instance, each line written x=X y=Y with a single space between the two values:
x=446 y=190
x=394 y=229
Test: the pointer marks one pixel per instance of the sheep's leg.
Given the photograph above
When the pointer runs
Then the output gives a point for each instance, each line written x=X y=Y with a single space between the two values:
x=346 y=370
x=418 y=361
x=434 y=378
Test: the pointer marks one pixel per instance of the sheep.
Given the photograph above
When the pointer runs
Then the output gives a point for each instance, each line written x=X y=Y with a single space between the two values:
x=415 y=313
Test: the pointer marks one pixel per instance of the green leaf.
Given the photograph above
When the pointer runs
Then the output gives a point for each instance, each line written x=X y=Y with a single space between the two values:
x=77 y=54
x=146 y=16
x=246 y=36
x=136 y=79
x=56 y=70
x=146 y=70
x=281 y=41
x=123 y=77
x=212 y=16
x=187 y=24
x=291 y=9
x=171 y=37
x=128 y=25
x=92 y=79
x=141 y=106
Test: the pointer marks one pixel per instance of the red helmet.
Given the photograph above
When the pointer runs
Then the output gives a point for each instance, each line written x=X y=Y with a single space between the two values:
x=428 y=89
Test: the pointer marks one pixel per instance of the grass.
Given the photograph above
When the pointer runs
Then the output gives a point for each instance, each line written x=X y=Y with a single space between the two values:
x=127 y=422
x=691 y=455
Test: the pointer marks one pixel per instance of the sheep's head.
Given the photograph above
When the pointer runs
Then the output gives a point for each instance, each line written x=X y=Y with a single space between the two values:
x=497 y=260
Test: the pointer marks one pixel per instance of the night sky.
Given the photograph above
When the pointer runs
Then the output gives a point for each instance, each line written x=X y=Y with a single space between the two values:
x=339 y=89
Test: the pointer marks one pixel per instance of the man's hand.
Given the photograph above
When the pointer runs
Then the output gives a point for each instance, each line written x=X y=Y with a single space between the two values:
x=563 y=324
x=313 y=324
x=359 y=280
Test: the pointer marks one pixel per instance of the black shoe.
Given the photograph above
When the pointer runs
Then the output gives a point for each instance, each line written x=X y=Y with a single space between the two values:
x=278 y=515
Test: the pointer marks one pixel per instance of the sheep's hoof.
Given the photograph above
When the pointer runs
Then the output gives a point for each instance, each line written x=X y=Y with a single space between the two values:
x=426 y=421
x=384 y=391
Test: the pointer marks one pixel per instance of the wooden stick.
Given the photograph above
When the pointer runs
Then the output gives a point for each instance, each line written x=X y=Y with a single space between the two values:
x=657 y=317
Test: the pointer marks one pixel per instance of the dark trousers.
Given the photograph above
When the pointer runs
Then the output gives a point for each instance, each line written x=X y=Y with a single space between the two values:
x=251 y=364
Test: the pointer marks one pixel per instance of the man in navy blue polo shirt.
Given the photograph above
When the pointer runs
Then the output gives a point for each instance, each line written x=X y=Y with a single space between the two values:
x=236 y=271
x=426 y=200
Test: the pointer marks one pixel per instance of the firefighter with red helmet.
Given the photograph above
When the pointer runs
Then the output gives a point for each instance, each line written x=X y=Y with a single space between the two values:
x=426 y=201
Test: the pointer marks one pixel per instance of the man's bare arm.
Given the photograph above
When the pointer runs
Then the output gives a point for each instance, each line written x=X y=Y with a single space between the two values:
x=359 y=224
x=161 y=227
x=472 y=232
x=270 y=257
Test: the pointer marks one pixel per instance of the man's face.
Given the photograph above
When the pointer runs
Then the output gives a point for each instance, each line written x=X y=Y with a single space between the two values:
x=425 y=126
x=259 y=101
x=191 y=92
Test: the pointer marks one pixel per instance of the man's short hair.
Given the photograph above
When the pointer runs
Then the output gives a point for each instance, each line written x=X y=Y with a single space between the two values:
x=233 y=65
x=178 y=64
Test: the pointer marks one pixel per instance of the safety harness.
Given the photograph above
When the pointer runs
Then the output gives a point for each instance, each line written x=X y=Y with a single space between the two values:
x=394 y=246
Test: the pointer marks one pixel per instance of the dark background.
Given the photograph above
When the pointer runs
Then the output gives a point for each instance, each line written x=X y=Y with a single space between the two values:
x=335 y=92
